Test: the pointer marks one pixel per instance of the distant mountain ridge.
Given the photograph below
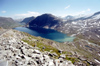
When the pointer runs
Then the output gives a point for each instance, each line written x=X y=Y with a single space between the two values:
x=6 y=22
x=94 y=16
x=26 y=20
x=87 y=28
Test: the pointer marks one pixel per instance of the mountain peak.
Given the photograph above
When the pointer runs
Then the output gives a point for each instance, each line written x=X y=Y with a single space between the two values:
x=45 y=20
x=47 y=15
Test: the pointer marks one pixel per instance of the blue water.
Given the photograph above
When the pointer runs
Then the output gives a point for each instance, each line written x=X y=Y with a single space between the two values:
x=46 y=33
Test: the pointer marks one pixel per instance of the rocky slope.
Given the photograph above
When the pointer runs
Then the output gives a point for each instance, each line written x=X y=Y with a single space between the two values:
x=15 y=52
x=87 y=28
x=21 y=49
x=7 y=23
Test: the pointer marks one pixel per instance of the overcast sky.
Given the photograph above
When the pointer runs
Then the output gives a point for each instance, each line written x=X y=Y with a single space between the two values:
x=26 y=8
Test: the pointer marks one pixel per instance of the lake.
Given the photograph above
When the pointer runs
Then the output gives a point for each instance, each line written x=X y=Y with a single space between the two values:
x=47 y=33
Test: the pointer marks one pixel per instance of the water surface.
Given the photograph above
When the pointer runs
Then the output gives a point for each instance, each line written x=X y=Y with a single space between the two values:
x=46 y=33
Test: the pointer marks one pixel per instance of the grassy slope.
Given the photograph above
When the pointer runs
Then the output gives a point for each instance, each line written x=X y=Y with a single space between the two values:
x=68 y=49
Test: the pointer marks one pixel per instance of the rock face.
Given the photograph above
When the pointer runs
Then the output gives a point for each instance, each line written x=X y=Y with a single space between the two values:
x=14 y=52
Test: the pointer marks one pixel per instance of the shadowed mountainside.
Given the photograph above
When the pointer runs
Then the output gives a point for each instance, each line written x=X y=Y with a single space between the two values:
x=46 y=21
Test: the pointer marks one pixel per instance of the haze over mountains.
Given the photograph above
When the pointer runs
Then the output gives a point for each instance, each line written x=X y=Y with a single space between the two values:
x=7 y=23
x=26 y=20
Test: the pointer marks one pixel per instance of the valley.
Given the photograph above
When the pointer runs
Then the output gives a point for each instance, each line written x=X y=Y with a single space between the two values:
x=86 y=28
x=71 y=41
x=49 y=33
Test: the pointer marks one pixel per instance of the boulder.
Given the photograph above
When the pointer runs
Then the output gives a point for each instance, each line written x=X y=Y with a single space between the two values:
x=82 y=58
x=63 y=56
x=37 y=51
x=60 y=51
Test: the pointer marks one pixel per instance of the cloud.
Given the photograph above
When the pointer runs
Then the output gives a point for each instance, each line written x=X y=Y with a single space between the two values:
x=88 y=9
x=67 y=7
x=28 y=14
x=84 y=11
x=3 y=11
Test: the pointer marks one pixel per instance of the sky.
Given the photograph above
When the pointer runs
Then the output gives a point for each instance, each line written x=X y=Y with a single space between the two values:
x=27 y=8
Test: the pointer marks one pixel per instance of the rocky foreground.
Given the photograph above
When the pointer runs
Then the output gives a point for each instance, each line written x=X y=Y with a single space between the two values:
x=21 y=49
x=15 y=52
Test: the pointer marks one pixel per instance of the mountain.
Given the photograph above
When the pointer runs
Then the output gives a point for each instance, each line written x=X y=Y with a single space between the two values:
x=46 y=21
x=93 y=16
x=6 y=22
x=21 y=49
x=83 y=17
x=96 y=13
x=87 y=28
x=86 y=31
x=28 y=19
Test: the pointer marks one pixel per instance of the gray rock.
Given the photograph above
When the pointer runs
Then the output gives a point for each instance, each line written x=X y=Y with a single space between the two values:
x=37 y=51
x=60 y=51
x=82 y=58
x=62 y=56
x=15 y=52
x=3 y=63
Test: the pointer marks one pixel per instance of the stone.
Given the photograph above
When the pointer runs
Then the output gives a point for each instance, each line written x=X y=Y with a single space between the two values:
x=22 y=57
x=57 y=62
x=82 y=58
x=3 y=63
x=50 y=54
x=51 y=63
x=69 y=63
x=54 y=54
x=63 y=56
x=36 y=51
x=60 y=51
x=61 y=60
